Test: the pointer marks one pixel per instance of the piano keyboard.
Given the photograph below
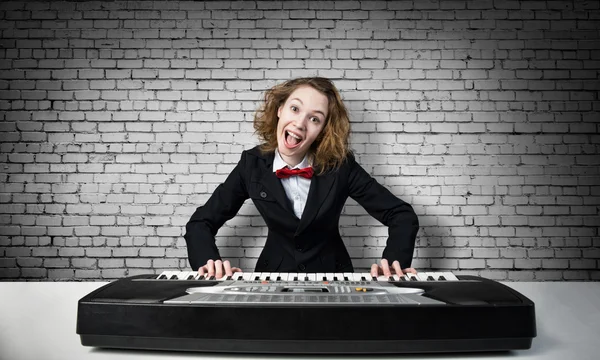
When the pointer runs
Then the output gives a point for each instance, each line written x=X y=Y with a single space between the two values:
x=309 y=277
x=443 y=313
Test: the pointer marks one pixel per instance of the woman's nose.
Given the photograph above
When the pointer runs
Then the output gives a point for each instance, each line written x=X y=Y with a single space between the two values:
x=300 y=122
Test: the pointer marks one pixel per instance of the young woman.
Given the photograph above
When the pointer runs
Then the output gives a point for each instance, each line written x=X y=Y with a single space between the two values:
x=299 y=179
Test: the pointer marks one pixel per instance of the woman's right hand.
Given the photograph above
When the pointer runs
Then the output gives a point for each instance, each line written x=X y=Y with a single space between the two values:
x=218 y=269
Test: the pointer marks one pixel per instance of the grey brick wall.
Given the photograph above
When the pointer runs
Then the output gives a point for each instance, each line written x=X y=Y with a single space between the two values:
x=119 y=118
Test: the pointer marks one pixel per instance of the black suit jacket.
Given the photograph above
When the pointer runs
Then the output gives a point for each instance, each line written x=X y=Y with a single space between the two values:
x=309 y=244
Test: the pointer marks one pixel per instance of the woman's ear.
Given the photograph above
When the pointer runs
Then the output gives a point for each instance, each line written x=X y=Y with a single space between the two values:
x=279 y=111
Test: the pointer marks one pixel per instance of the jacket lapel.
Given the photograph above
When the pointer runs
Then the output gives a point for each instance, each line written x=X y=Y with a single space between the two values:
x=273 y=184
x=320 y=186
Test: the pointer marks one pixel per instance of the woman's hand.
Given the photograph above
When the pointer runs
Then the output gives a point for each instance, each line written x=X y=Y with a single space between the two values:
x=218 y=269
x=386 y=270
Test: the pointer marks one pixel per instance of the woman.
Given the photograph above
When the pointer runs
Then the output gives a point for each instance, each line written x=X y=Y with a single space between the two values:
x=299 y=179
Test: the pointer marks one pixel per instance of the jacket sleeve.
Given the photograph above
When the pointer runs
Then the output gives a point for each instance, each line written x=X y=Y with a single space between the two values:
x=397 y=215
x=206 y=221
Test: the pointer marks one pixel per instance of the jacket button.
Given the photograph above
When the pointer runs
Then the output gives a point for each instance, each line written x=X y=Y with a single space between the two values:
x=263 y=194
x=302 y=267
x=299 y=248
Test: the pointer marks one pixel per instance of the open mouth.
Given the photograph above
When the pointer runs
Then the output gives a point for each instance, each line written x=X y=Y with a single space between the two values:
x=292 y=140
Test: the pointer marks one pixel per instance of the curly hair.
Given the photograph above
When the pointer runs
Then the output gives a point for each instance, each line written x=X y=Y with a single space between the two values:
x=330 y=149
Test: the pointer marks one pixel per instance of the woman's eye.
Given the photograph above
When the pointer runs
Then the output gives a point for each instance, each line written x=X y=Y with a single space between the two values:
x=294 y=108
x=315 y=119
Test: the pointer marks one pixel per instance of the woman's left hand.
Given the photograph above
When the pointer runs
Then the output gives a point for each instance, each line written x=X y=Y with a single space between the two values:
x=386 y=270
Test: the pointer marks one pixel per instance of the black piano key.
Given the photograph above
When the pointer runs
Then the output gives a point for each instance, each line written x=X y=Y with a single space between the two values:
x=391 y=278
x=190 y=277
x=335 y=278
x=441 y=277
x=295 y=278
x=279 y=278
x=173 y=277
x=413 y=278
x=240 y=277
x=430 y=278
x=257 y=278
x=229 y=278
x=268 y=278
x=306 y=278
x=162 y=277
x=362 y=278
x=374 y=278
x=212 y=278
x=346 y=278
x=324 y=278
x=402 y=278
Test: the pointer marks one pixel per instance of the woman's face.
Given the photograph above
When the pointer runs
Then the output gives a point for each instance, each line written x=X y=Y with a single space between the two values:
x=301 y=120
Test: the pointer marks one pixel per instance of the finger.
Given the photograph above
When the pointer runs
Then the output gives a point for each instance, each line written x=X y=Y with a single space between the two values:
x=227 y=267
x=386 y=268
x=375 y=270
x=202 y=270
x=236 y=269
x=218 y=269
x=210 y=266
x=397 y=269
x=410 y=270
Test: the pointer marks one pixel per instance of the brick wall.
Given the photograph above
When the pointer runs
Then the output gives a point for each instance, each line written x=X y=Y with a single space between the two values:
x=118 y=119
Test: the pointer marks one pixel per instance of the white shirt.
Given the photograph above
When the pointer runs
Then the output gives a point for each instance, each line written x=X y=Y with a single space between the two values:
x=296 y=187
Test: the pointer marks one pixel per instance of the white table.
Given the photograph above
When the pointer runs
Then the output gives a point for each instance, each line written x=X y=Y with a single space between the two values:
x=37 y=322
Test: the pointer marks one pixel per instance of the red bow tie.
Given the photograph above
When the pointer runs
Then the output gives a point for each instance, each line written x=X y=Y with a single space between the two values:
x=286 y=172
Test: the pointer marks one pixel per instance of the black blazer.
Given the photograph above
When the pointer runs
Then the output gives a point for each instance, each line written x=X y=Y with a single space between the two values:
x=309 y=244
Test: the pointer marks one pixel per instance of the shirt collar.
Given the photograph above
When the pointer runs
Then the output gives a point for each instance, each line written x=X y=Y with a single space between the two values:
x=278 y=162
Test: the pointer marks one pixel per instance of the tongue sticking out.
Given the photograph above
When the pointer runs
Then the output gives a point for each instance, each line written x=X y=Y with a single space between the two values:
x=292 y=140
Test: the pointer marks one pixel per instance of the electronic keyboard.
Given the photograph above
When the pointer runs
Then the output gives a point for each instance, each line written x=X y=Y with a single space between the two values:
x=307 y=313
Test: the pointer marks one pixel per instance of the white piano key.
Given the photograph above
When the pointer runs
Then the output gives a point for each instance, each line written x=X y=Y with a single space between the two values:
x=422 y=276
x=339 y=276
x=223 y=278
x=302 y=276
x=170 y=274
x=238 y=275
x=247 y=276
x=183 y=275
x=255 y=275
x=450 y=276
x=383 y=278
x=319 y=276
x=284 y=276
x=291 y=276
x=263 y=276
x=329 y=276
x=436 y=275
x=356 y=277
x=274 y=276
x=367 y=276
